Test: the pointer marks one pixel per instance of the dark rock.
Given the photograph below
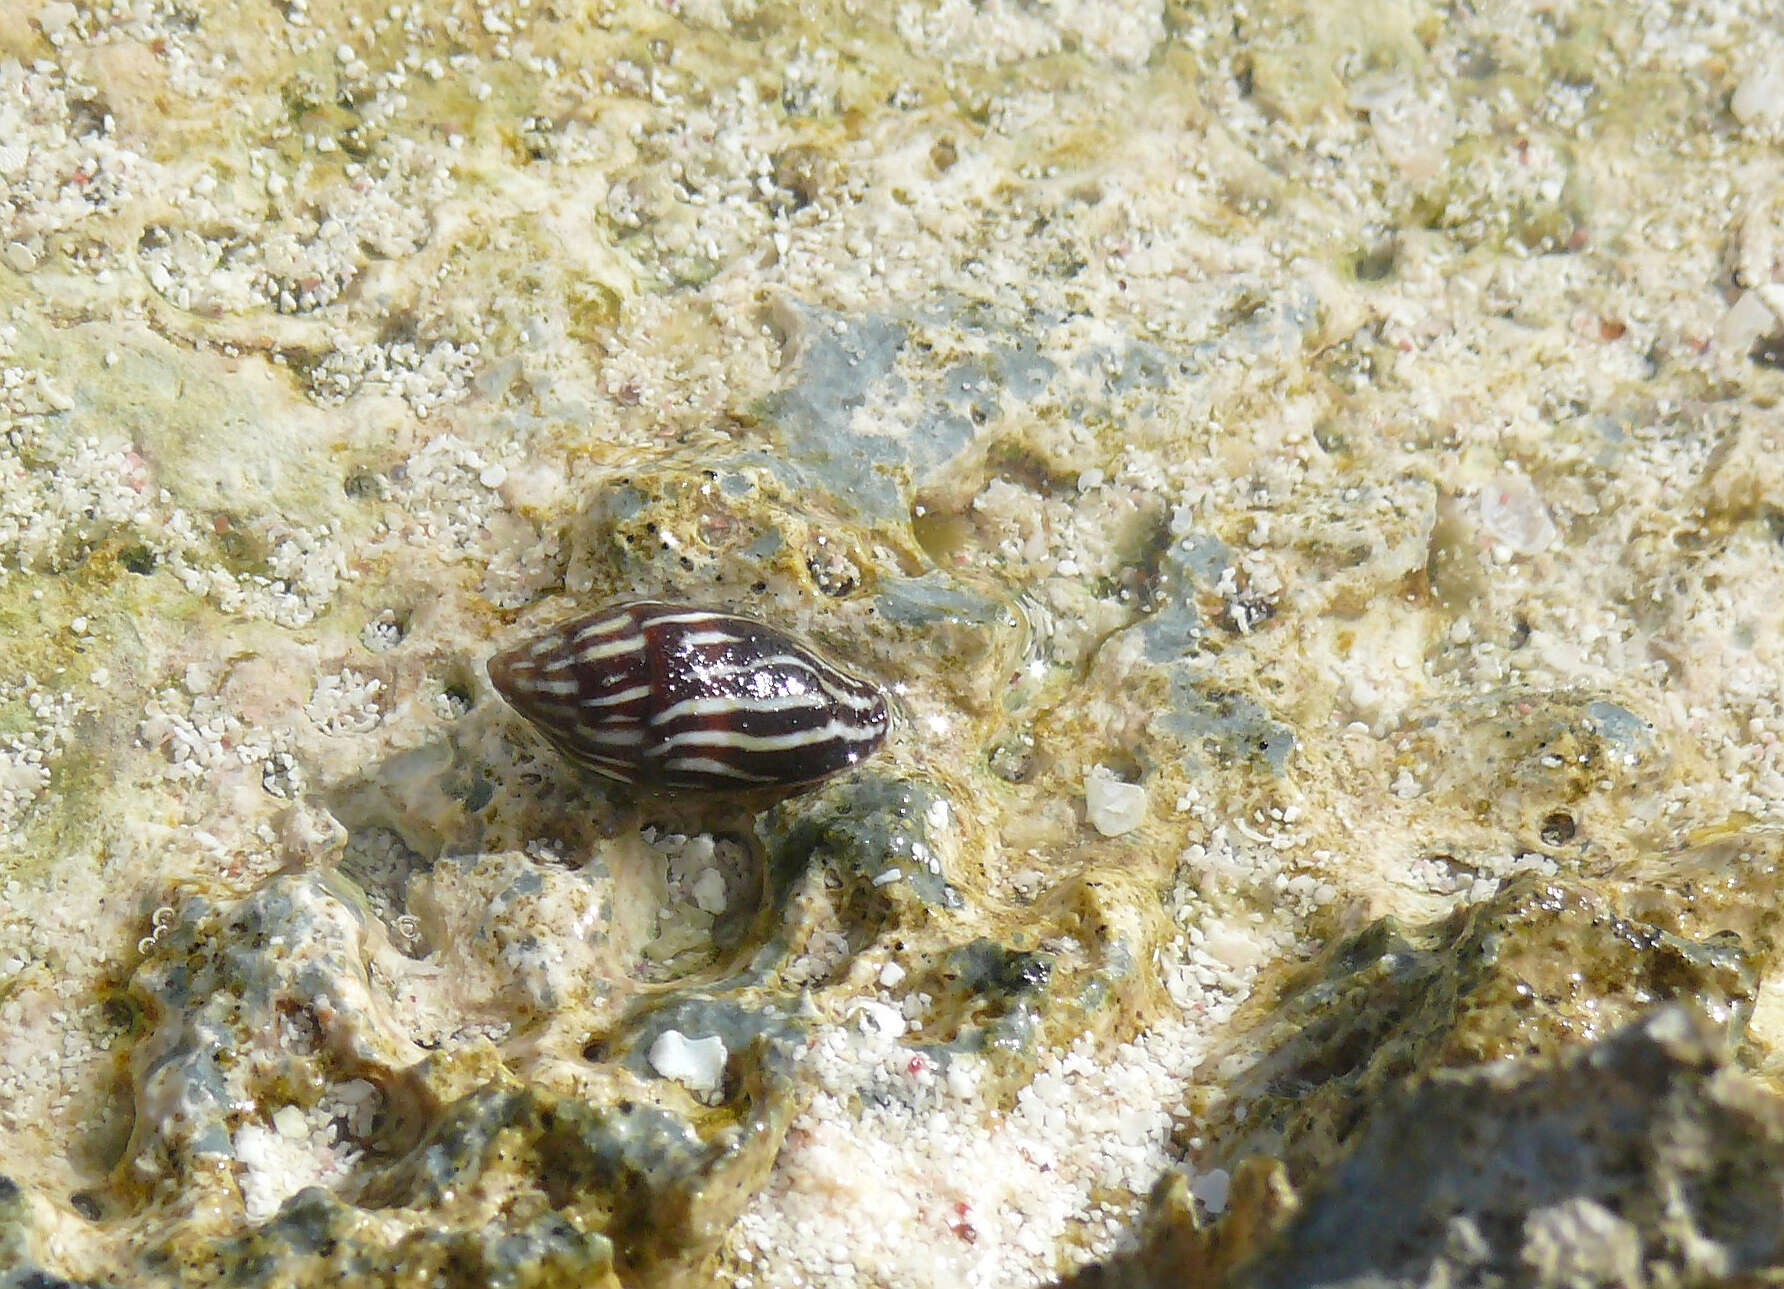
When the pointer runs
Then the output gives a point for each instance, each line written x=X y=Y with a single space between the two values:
x=1642 y=1159
x=19 y=1266
x=1221 y=727
x=1542 y=967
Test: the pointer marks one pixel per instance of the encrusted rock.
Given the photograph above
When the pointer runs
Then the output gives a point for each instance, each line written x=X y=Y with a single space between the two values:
x=1544 y=966
x=1642 y=1158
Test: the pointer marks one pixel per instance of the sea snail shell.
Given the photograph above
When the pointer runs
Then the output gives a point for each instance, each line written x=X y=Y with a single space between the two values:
x=671 y=696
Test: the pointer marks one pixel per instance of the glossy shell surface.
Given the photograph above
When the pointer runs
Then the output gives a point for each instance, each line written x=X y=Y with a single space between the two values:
x=673 y=696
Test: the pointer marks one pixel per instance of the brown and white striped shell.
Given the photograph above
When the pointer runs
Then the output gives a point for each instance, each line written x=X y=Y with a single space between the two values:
x=671 y=696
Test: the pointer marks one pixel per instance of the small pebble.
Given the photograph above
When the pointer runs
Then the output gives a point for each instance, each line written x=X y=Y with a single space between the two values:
x=1113 y=807
x=1514 y=516
x=698 y=1064
x=1213 y=1188
x=876 y=1020
x=963 y=1080
x=709 y=892
x=1758 y=101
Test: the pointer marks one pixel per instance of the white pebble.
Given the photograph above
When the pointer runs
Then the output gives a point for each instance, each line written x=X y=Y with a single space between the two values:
x=1746 y=320
x=1113 y=807
x=876 y=1020
x=698 y=1064
x=1759 y=99
x=1514 y=516
x=54 y=18
x=709 y=892
x=1232 y=945
x=493 y=476
x=963 y=1080
x=890 y=975
x=289 y=1120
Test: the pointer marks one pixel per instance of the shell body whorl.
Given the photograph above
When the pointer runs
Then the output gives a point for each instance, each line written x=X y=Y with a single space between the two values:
x=672 y=696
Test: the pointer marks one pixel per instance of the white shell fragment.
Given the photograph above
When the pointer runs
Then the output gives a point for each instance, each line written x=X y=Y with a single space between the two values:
x=1745 y=321
x=290 y=1122
x=1513 y=515
x=1758 y=101
x=709 y=892
x=876 y=1020
x=1113 y=807
x=698 y=1064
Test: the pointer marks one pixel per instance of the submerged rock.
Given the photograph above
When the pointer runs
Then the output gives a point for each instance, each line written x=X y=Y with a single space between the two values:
x=19 y=1267
x=1543 y=967
x=1642 y=1158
